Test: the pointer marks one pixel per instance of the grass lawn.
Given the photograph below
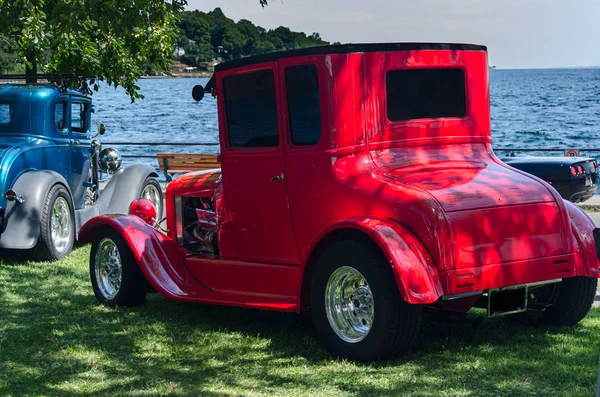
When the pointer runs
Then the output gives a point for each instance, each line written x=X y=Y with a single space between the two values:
x=589 y=208
x=56 y=340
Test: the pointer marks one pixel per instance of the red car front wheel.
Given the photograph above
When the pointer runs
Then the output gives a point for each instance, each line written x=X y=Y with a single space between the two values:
x=116 y=277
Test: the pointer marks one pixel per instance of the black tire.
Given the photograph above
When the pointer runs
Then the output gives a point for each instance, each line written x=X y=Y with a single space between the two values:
x=47 y=248
x=573 y=300
x=133 y=286
x=150 y=181
x=395 y=323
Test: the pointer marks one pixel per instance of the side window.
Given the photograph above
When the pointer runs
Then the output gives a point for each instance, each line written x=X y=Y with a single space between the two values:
x=251 y=108
x=78 y=117
x=304 y=104
x=4 y=113
x=425 y=93
x=60 y=116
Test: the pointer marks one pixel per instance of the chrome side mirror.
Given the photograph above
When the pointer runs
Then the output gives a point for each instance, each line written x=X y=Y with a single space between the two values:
x=101 y=129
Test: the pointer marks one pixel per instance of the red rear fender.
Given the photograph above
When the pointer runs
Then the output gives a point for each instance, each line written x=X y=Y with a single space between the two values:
x=417 y=278
x=160 y=258
x=584 y=248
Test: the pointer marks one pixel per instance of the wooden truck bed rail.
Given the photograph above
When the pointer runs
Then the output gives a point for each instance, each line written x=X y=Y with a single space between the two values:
x=175 y=163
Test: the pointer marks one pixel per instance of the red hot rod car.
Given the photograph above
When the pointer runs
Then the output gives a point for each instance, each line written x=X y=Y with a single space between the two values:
x=356 y=181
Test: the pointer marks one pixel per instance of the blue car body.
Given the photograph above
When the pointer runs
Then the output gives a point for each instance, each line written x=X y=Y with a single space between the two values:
x=32 y=139
x=45 y=141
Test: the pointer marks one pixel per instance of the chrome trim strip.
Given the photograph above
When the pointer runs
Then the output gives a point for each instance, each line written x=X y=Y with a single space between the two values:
x=464 y=295
x=178 y=220
x=536 y=284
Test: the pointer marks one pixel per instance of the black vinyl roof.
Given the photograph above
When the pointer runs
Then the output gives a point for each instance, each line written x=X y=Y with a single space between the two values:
x=346 y=49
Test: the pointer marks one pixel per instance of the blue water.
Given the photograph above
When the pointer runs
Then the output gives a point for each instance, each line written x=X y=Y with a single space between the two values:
x=530 y=108
x=546 y=108
x=166 y=114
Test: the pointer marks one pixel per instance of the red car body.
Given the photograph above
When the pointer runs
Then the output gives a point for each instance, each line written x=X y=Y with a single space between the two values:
x=451 y=219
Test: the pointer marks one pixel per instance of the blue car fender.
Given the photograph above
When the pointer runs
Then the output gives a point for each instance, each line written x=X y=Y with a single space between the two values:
x=21 y=224
x=124 y=187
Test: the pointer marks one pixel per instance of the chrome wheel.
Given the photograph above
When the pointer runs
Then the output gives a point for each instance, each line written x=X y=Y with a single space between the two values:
x=152 y=193
x=108 y=268
x=61 y=227
x=349 y=304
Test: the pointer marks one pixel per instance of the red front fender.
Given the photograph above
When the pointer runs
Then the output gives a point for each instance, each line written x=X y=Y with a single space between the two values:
x=417 y=278
x=160 y=258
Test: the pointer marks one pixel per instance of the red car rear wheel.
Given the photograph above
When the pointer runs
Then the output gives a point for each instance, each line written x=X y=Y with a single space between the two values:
x=356 y=307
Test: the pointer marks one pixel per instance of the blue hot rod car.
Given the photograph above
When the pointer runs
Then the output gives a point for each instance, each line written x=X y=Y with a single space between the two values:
x=50 y=168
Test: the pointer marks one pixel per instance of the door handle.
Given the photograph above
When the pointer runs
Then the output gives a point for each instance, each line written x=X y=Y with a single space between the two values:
x=76 y=143
x=278 y=178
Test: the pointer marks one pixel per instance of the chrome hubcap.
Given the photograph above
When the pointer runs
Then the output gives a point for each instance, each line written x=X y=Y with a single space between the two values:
x=349 y=304
x=108 y=268
x=60 y=225
x=151 y=193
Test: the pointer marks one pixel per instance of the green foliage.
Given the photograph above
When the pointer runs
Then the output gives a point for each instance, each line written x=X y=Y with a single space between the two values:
x=208 y=36
x=112 y=39
x=115 y=40
x=8 y=59
x=118 y=41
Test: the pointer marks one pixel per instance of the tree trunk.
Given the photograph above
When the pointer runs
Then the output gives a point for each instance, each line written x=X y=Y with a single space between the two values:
x=31 y=72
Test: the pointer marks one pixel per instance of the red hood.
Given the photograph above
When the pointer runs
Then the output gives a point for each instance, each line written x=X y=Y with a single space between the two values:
x=462 y=177
x=198 y=183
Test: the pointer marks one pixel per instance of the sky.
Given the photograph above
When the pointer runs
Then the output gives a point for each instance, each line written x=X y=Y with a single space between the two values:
x=518 y=33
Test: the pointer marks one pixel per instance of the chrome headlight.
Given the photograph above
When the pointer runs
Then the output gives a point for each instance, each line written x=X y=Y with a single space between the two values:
x=109 y=160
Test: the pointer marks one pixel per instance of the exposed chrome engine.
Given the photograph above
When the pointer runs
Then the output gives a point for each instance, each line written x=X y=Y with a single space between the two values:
x=199 y=225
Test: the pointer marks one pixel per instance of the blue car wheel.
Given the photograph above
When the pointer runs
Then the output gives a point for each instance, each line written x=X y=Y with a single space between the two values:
x=57 y=226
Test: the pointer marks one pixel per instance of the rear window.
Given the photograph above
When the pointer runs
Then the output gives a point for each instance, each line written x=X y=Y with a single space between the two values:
x=4 y=113
x=425 y=93
x=251 y=108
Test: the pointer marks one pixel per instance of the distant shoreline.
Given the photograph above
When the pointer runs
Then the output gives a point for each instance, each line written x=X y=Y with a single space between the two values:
x=195 y=75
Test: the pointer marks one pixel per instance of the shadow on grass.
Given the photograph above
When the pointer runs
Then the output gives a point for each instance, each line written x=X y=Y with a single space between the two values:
x=56 y=340
x=13 y=257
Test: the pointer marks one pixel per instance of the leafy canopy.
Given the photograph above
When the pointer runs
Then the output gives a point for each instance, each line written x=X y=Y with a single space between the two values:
x=208 y=36
x=114 y=40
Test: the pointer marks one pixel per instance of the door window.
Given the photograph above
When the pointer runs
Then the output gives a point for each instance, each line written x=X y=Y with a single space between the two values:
x=79 y=117
x=60 y=116
x=251 y=108
x=304 y=104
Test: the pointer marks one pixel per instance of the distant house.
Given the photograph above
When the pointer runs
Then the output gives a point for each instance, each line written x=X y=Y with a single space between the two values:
x=179 y=51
